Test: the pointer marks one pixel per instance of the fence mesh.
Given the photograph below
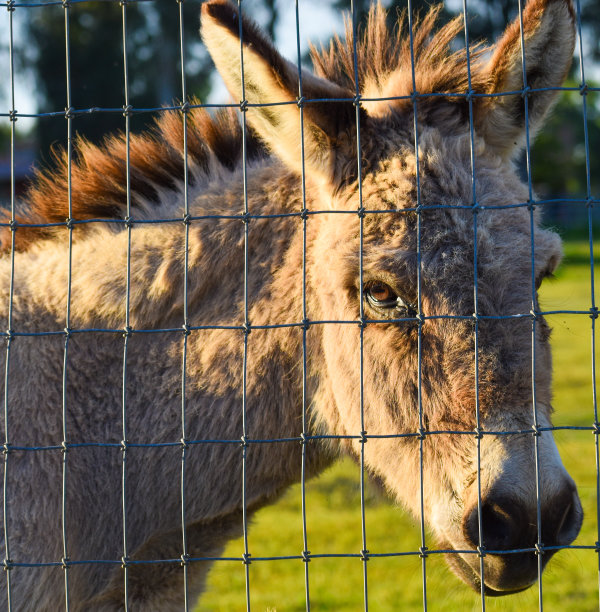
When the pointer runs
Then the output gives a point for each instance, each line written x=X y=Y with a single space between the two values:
x=248 y=217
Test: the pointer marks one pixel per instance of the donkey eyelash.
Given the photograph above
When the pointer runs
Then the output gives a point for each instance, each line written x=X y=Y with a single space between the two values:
x=382 y=298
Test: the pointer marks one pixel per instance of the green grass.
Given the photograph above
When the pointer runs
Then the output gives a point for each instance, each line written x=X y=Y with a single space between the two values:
x=570 y=583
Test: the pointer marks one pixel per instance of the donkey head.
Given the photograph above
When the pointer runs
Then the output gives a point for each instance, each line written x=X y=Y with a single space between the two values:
x=444 y=282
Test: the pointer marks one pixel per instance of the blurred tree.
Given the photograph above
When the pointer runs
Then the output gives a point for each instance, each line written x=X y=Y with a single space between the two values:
x=96 y=62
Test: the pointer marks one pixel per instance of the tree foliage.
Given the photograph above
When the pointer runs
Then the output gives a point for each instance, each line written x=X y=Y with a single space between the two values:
x=97 y=66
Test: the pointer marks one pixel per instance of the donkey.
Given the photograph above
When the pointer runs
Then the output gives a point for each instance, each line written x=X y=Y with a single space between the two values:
x=249 y=328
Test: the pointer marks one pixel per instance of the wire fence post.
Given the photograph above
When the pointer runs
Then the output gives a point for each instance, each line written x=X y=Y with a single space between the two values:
x=475 y=210
x=246 y=328
x=127 y=332
x=186 y=329
x=65 y=447
x=7 y=562
x=422 y=433
x=305 y=320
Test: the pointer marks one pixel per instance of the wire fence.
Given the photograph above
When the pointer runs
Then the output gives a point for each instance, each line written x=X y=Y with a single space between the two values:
x=305 y=435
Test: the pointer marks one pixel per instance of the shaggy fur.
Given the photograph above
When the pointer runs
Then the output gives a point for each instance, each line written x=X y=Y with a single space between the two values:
x=95 y=473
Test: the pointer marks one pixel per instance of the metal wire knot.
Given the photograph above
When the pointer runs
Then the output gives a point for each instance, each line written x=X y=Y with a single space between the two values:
x=356 y=100
x=127 y=109
x=69 y=112
x=12 y=114
x=6 y=449
x=361 y=212
x=525 y=92
x=7 y=564
x=583 y=89
x=243 y=105
x=363 y=437
x=362 y=323
x=304 y=214
x=128 y=221
x=64 y=447
x=423 y=554
x=185 y=107
x=246 y=559
x=186 y=329
x=306 y=556
x=127 y=332
x=185 y=558
x=69 y=224
x=65 y=562
x=535 y=430
x=13 y=225
x=596 y=428
x=10 y=6
x=303 y=438
x=66 y=4
x=594 y=312
x=125 y=562
x=124 y=445
x=184 y=444
x=421 y=434
x=187 y=219
x=246 y=328
x=244 y=441
x=300 y=102
x=481 y=552
x=305 y=324
x=364 y=555
x=539 y=548
x=478 y=433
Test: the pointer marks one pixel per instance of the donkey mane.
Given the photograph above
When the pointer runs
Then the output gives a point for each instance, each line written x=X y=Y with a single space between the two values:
x=384 y=58
x=99 y=173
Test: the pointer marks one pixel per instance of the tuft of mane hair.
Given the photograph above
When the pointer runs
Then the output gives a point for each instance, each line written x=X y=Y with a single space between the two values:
x=99 y=173
x=386 y=65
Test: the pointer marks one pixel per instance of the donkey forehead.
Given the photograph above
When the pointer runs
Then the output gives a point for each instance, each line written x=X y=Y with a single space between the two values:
x=505 y=246
x=438 y=184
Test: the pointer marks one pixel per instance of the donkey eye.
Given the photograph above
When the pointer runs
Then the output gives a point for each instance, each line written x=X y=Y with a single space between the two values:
x=378 y=292
x=382 y=297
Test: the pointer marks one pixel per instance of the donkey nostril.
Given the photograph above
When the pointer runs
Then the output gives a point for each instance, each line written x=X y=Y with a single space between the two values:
x=499 y=530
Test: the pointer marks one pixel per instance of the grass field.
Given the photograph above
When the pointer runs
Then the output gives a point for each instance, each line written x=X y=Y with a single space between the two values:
x=570 y=584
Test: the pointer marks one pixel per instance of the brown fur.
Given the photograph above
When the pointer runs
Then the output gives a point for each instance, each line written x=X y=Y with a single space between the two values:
x=256 y=278
x=99 y=173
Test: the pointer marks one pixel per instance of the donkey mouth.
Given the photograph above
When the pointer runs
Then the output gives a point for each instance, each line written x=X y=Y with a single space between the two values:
x=470 y=577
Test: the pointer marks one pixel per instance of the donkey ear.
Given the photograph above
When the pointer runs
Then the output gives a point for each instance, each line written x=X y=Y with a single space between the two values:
x=549 y=40
x=271 y=80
